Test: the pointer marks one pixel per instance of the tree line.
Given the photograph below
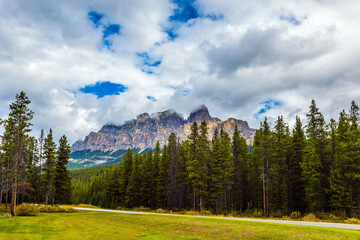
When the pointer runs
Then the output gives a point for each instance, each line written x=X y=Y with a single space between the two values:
x=31 y=170
x=311 y=168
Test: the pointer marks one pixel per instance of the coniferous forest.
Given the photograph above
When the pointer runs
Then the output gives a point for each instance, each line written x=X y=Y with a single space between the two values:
x=313 y=168
x=31 y=170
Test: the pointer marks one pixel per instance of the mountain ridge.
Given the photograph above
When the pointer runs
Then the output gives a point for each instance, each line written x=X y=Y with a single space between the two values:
x=144 y=131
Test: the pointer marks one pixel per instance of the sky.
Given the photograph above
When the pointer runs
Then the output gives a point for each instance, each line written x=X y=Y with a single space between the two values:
x=85 y=63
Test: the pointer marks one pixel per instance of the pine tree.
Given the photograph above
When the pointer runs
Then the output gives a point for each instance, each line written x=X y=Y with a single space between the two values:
x=62 y=175
x=315 y=159
x=122 y=181
x=194 y=167
x=19 y=118
x=155 y=175
x=240 y=159
x=279 y=167
x=204 y=156
x=227 y=168
x=296 y=183
x=215 y=188
x=146 y=170
x=172 y=185
x=133 y=193
x=183 y=191
x=163 y=175
x=49 y=168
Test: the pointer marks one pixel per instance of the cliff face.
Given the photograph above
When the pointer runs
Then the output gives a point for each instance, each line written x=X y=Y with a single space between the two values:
x=144 y=131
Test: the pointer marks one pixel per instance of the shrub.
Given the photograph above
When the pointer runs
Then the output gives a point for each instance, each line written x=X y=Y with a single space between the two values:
x=27 y=210
x=68 y=209
x=310 y=218
x=123 y=208
x=206 y=213
x=352 y=221
x=277 y=214
x=234 y=214
x=295 y=215
x=142 y=209
x=192 y=212
x=160 y=210
x=54 y=209
x=257 y=214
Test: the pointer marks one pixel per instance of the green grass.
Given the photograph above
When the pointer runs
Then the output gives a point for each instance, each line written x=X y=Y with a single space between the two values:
x=100 y=225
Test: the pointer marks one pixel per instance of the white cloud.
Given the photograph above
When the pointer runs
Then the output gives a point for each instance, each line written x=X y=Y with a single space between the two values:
x=51 y=49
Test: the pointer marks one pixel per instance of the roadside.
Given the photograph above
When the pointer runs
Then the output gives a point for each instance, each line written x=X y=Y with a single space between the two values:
x=299 y=223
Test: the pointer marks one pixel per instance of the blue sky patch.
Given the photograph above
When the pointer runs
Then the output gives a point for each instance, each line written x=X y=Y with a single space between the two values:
x=102 y=89
x=147 y=63
x=95 y=18
x=266 y=106
x=108 y=29
x=151 y=98
x=291 y=19
x=184 y=12
x=186 y=92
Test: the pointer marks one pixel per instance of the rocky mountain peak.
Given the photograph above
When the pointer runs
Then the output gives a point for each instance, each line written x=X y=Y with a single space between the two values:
x=144 y=117
x=200 y=114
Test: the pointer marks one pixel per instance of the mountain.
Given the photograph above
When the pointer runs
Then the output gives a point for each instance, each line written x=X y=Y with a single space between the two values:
x=143 y=133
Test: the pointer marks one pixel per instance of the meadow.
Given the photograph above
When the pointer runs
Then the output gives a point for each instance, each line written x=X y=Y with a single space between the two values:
x=100 y=225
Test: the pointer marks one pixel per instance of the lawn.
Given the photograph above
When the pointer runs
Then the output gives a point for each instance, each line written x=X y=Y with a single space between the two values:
x=101 y=225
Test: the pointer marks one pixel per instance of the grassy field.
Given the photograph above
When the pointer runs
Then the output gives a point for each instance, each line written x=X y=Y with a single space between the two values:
x=99 y=225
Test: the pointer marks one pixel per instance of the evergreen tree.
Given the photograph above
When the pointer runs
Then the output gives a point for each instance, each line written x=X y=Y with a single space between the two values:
x=172 y=185
x=155 y=175
x=352 y=173
x=122 y=181
x=19 y=118
x=62 y=175
x=215 y=189
x=146 y=170
x=279 y=167
x=315 y=163
x=194 y=165
x=204 y=156
x=296 y=183
x=163 y=175
x=133 y=193
x=49 y=168
x=240 y=158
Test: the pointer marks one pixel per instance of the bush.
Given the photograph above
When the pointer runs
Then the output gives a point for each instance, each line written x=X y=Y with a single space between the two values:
x=122 y=208
x=27 y=210
x=55 y=209
x=257 y=214
x=310 y=218
x=206 y=213
x=277 y=214
x=160 y=210
x=295 y=215
x=192 y=212
x=352 y=221
x=141 y=209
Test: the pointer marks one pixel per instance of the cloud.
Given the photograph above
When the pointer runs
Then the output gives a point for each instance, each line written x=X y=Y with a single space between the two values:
x=102 y=89
x=229 y=55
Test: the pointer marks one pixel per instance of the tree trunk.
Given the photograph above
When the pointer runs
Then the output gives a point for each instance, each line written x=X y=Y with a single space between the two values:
x=47 y=197
x=15 y=183
x=194 y=200
x=201 y=204
x=7 y=193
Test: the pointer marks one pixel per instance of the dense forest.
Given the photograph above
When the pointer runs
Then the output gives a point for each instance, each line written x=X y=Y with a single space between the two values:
x=313 y=168
x=31 y=170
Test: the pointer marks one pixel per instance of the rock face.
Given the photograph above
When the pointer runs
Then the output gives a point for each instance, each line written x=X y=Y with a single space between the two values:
x=144 y=131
